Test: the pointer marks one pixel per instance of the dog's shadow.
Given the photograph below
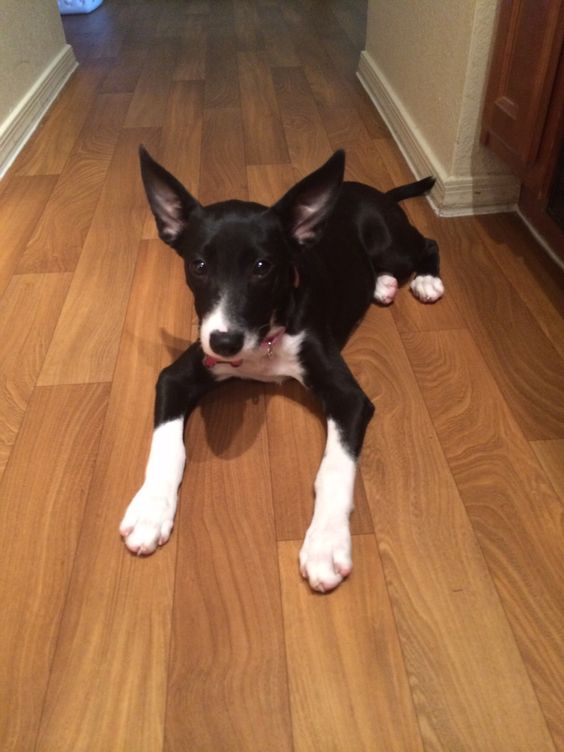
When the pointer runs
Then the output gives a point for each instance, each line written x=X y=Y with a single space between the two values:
x=233 y=415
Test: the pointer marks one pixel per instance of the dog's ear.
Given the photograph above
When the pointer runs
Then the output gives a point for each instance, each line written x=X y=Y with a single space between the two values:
x=170 y=202
x=308 y=205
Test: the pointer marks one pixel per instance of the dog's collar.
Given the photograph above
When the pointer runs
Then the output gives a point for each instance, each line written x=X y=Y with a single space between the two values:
x=268 y=344
x=271 y=339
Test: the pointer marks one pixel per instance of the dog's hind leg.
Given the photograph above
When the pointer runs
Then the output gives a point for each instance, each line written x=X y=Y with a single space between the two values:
x=149 y=518
x=427 y=286
x=325 y=557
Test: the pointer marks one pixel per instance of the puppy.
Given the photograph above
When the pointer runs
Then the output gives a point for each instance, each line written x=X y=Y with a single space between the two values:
x=277 y=291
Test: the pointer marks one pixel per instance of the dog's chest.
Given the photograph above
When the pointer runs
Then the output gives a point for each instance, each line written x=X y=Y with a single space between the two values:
x=283 y=363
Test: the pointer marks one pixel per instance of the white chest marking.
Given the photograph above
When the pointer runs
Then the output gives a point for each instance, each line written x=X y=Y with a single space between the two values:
x=284 y=362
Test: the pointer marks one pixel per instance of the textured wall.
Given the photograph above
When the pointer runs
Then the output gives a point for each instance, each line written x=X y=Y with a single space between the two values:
x=31 y=35
x=434 y=54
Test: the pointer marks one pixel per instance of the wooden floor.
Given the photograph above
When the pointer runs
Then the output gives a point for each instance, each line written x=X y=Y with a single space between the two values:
x=449 y=634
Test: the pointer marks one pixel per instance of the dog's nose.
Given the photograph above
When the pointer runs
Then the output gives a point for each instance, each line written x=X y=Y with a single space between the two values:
x=226 y=343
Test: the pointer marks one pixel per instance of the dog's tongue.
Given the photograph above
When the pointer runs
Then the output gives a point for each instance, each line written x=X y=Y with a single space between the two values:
x=210 y=361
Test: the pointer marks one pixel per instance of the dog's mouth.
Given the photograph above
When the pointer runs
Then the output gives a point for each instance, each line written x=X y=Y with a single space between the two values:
x=210 y=361
x=254 y=347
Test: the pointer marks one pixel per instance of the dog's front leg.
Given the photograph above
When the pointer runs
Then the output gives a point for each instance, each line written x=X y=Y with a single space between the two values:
x=325 y=557
x=149 y=518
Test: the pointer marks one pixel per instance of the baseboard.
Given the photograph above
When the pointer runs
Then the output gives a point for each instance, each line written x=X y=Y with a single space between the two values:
x=452 y=195
x=26 y=116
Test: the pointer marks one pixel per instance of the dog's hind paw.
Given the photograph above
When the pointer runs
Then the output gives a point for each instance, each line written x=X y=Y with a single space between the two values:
x=325 y=557
x=386 y=288
x=148 y=521
x=427 y=288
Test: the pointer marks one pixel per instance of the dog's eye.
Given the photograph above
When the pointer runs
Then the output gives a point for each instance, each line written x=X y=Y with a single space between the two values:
x=198 y=267
x=261 y=268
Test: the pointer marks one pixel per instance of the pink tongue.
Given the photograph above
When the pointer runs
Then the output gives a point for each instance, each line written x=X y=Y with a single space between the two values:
x=210 y=361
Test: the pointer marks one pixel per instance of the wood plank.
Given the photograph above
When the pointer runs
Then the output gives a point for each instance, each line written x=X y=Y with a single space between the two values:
x=247 y=26
x=115 y=630
x=365 y=165
x=344 y=126
x=352 y=19
x=331 y=64
x=268 y=183
x=538 y=280
x=149 y=103
x=59 y=235
x=222 y=77
x=140 y=22
x=222 y=168
x=324 y=80
x=515 y=513
x=373 y=121
x=22 y=202
x=95 y=46
x=86 y=341
x=172 y=17
x=278 y=42
x=303 y=127
x=191 y=62
x=97 y=37
x=331 y=90
x=48 y=150
x=264 y=136
x=29 y=312
x=551 y=456
x=527 y=368
x=348 y=684
x=470 y=687
x=40 y=519
x=181 y=142
x=227 y=683
x=124 y=73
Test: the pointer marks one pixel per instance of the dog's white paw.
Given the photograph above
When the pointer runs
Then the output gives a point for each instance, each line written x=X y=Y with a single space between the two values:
x=148 y=521
x=325 y=557
x=427 y=289
x=386 y=288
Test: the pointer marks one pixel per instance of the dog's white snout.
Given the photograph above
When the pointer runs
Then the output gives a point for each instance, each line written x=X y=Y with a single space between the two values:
x=223 y=336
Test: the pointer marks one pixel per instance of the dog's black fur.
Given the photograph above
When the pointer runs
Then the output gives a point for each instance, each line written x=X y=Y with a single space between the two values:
x=337 y=252
x=307 y=265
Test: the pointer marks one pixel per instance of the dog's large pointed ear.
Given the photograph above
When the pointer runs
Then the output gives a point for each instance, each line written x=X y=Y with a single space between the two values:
x=308 y=205
x=170 y=202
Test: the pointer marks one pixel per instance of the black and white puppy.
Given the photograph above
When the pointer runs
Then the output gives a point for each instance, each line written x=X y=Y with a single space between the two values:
x=277 y=291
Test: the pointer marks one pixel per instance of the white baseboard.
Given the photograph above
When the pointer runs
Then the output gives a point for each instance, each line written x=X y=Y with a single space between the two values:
x=26 y=116
x=452 y=195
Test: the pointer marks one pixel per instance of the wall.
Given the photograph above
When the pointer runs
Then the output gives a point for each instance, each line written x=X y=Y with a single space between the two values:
x=425 y=66
x=35 y=61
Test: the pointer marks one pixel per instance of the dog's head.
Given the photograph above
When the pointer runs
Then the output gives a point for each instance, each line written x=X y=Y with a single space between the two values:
x=240 y=257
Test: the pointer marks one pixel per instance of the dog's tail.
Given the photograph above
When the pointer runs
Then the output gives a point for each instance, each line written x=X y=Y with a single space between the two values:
x=411 y=190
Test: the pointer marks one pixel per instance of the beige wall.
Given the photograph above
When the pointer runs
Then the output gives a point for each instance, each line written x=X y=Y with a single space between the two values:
x=431 y=58
x=421 y=47
x=31 y=35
